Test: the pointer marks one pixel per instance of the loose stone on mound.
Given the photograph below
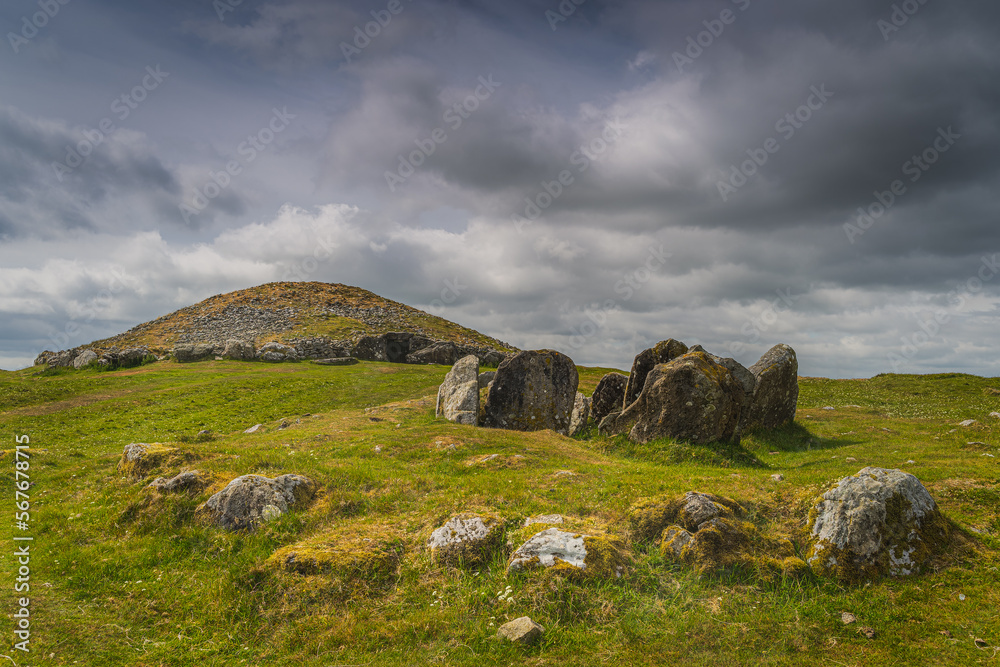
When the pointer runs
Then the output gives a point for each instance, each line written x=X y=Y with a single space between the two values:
x=138 y=458
x=876 y=522
x=251 y=499
x=191 y=481
x=521 y=631
x=458 y=395
x=533 y=390
x=468 y=539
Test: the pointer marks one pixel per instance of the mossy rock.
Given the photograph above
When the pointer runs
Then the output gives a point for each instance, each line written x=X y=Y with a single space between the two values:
x=467 y=539
x=597 y=555
x=648 y=517
x=139 y=458
x=344 y=565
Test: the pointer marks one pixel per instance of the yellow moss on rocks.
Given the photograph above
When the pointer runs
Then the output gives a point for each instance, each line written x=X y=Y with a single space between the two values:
x=139 y=458
x=607 y=556
x=467 y=539
x=648 y=517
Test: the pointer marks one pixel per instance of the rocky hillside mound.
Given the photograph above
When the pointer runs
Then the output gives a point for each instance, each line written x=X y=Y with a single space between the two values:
x=316 y=319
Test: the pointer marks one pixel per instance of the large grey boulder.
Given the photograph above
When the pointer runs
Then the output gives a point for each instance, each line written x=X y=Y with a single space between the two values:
x=371 y=348
x=458 y=395
x=533 y=390
x=186 y=352
x=776 y=392
x=249 y=500
x=691 y=398
x=879 y=521
x=239 y=350
x=467 y=539
x=581 y=414
x=661 y=353
x=608 y=396
x=84 y=358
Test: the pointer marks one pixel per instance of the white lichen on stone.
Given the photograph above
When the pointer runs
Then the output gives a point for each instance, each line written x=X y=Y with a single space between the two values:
x=549 y=545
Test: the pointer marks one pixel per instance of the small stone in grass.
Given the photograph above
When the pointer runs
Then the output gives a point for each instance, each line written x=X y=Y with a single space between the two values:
x=778 y=477
x=867 y=631
x=521 y=630
x=848 y=618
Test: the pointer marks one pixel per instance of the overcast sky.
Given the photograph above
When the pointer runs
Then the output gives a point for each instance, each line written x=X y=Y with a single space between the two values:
x=586 y=176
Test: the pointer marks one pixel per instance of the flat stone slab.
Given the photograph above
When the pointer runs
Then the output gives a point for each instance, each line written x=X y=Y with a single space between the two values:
x=336 y=361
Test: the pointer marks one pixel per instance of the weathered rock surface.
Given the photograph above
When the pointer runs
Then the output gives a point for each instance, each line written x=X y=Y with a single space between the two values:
x=661 y=353
x=458 y=395
x=879 y=521
x=581 y=414
x=521 y=630
x=776 y=392
x=608 y=396
x=691 y=398
x=139 y=458
x=187 y=352
x=544 y=518
x=444 y=353
x=593 y=555
x=84 y=358
x=648 y=517
x=533 y=390
x=467 y=539
x=249 y=500
x=239 y=350
x=485 y=378
x=277 y=352
x=336 y=361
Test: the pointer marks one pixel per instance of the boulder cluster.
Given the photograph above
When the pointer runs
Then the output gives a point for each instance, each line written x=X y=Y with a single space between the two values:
x=672 y=391
x=399 y=347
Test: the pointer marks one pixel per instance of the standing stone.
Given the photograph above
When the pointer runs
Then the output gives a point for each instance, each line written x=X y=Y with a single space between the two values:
x=661 y=353
x=370 y=348
x=533 y=390
x=691 y=398
x=240 y=350
x=608 y=396
x=776 y=392
x=581 y=414
x=458 y=395
x=876 y=522
x=84 y=358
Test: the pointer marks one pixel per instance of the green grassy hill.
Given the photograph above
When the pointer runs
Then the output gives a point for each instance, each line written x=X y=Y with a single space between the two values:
x=121 y=576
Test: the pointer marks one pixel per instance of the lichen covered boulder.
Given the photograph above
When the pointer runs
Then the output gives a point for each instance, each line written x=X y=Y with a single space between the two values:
x=608 y=396
x=691 y=398
x=467 y=539
x=581 y=414
x=239 y=350
x=250 y=500
x=277 y=352
x=877 y=522
x=597 y=555
x=533 y=390
x=458 y=395
x=645 y=361
x=776 y=392
x=186 y=352
x=189 y=481
x=84 y=358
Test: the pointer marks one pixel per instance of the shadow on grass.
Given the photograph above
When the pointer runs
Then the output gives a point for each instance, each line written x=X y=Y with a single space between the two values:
x=666 y=451
x=792 y=437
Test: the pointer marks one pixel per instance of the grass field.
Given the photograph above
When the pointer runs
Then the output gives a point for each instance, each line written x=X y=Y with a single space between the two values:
x=122 y=576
